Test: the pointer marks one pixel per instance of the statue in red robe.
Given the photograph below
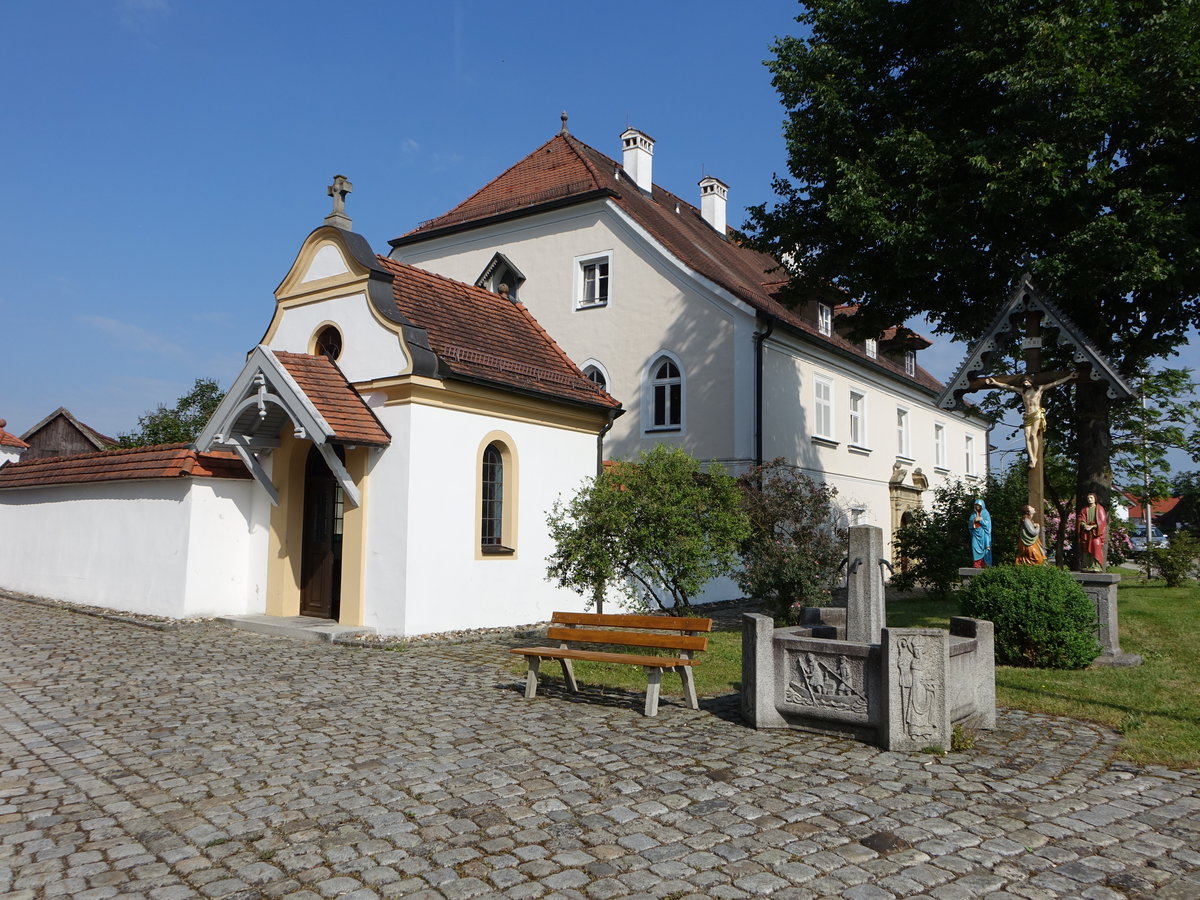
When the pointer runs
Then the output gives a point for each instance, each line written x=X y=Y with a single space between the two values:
x=1092 y=526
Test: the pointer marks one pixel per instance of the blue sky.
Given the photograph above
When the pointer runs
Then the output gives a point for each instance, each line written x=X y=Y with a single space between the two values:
x=164 y=159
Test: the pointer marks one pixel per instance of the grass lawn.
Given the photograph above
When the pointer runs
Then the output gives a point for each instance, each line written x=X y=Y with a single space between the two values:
x=1155 y=706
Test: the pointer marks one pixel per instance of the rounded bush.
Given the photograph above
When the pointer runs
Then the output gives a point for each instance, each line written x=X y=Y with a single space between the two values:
x=1042 y=616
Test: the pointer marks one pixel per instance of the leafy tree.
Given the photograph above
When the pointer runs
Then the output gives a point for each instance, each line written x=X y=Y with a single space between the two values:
x=180 y=423
x=791 y=556
x=936 y=147
x=936 y=543
x=1144 y=432
x=657 y=530
x=1186 y=487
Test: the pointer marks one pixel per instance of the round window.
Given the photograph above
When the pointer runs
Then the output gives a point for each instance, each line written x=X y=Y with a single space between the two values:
x=329 y=342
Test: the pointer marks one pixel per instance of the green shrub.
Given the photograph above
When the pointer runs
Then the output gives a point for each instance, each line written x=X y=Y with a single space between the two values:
x=1042 y=616
x=790 y=559
x=1176 y=563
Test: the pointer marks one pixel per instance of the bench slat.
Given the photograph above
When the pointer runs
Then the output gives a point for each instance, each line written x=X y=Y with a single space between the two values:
x=660 y=623
x=630 y=638
x=629 y=659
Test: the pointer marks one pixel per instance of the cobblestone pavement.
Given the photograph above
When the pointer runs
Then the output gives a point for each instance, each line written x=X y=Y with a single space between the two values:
x=206 y=762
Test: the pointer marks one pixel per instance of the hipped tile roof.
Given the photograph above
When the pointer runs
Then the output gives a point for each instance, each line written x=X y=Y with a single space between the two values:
x=158 y=461
x=335 y=398
x=8 y=439
x=481 y=335
x=565 y=169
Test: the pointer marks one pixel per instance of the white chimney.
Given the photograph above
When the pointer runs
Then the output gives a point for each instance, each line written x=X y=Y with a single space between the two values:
x=639 y=157
x=712 y=202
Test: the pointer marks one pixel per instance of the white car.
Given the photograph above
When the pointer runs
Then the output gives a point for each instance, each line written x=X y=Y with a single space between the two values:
x=1137 y=540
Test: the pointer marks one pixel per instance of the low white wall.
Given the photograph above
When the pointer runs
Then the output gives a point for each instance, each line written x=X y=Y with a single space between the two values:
x=166 y=547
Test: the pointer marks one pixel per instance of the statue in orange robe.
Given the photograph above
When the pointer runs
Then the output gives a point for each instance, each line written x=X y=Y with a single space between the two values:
x=1029 y=549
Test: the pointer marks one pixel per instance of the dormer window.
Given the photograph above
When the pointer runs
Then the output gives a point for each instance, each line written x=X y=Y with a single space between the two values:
x=825 y=319
x=501 y=277
x=910 y=363
x=871 y=346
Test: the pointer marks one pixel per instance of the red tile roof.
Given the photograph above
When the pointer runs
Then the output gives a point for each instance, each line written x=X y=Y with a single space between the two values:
x=565 y=169
x=7 y=439
x=159 y=461
x=482 y=335
x=335 y=398
x=1157 y=507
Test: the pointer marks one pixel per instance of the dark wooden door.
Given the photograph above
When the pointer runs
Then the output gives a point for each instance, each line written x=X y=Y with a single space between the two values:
x=321 y=556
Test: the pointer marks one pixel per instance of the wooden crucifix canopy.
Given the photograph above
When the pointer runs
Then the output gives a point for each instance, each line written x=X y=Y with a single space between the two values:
x=1009 y=325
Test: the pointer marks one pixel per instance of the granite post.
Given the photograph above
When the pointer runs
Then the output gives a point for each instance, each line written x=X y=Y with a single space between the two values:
x=864 y=585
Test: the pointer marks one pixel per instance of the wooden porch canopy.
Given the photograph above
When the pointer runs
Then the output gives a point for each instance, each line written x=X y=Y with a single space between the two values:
x=308 y=394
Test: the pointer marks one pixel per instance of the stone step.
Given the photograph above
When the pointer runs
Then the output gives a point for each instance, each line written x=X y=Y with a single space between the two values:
x=302 y=628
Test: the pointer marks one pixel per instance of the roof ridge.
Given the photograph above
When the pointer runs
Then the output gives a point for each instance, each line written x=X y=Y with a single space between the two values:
x=114 y=451
x=474 y=194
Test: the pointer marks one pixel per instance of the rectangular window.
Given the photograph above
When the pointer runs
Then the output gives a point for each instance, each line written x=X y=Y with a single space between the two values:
x=939 y=446
x=903 y=445
x=592 y=281
x=824 y=319
x=970 y=448
x=871 y=347
x=910 y=363
x=823 y=392
x=858 y=419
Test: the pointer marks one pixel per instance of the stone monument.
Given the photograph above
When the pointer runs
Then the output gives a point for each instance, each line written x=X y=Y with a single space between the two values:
x=844 y=671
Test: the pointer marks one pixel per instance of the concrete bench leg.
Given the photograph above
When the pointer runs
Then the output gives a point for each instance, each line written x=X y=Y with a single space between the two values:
x=653 y=680
x=569 y=675
x=531 y=677
x=689 y=686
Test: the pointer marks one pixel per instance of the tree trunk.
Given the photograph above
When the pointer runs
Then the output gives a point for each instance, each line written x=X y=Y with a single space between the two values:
x=1094 y=443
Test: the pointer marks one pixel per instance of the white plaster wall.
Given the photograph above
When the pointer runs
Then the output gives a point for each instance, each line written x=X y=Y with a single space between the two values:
x=10 y=454
x=129 y=545
x=861 y=475
x=389 y=520
x=369 y=349
x=441 y=584
x=227 y=548
x=652 y=307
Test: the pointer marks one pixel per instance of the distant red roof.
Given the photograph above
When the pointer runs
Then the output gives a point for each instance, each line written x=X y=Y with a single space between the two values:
x=7 y=439
x=482 y=335
x=565 y=169
x=159 y=461
x=335 y=398
x=1157 y=507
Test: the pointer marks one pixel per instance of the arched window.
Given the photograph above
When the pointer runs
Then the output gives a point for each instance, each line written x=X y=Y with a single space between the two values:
x=596 y=375
x=666 y=395
x=497 y=498
x=492 y=514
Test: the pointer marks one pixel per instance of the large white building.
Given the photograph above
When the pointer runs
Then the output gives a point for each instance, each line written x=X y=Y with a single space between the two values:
x=659 y=302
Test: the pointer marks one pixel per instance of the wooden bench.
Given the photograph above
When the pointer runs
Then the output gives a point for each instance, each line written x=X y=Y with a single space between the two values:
x=660 y=632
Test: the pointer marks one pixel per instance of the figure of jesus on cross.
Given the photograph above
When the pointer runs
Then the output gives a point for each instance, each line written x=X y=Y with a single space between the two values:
x=1033 y=423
